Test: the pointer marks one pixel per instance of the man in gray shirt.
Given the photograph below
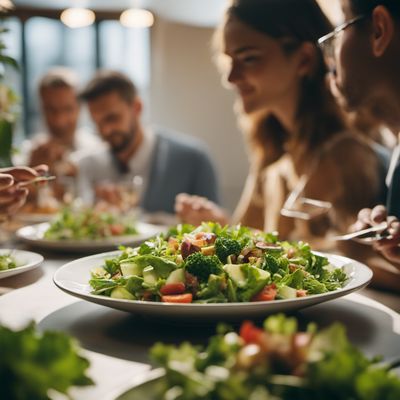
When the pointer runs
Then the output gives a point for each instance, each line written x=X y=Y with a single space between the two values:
x=169 y=163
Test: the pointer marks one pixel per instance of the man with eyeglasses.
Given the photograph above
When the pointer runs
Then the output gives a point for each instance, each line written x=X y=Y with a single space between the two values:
x=364 y=58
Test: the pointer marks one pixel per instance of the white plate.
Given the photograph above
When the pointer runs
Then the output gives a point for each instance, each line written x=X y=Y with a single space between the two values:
x=34 y=235
x=26 y=260
x=73 y=278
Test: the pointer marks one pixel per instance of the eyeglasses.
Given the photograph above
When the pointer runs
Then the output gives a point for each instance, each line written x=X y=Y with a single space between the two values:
x=327 y=43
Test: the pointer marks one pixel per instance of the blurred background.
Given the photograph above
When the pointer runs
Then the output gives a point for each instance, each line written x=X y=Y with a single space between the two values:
x=170 y=60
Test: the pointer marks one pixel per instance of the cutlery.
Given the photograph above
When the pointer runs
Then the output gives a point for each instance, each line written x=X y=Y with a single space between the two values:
x=377 y=232
x=36 y=180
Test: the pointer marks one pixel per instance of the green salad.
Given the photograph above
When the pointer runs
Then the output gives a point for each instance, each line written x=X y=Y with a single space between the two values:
x=215 y=264
x=276 y=362
x=88 y=224
x=33 y=364
x=7 y=262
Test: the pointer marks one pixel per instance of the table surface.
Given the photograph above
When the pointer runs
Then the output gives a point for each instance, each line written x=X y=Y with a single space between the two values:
x=118 y=341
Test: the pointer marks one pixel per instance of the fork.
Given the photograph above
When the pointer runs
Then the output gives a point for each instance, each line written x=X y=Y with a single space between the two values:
x=36 y=180
x=378 y=232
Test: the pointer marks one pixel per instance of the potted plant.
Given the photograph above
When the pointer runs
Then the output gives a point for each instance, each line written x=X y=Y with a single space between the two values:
x=8 y=102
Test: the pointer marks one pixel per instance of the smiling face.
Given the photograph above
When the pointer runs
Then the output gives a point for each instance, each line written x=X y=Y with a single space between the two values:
x=265 y=77
x=116 y=119
x=61 y=112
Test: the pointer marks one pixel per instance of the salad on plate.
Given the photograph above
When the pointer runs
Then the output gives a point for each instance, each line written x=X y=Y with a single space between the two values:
x=13 y=261
x=7 y=261
x=215 y=264
x=87 y=223
x=275 y=362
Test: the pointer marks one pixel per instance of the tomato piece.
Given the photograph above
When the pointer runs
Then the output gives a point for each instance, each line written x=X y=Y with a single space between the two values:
x=267 y=294
x=301 y=293
x=173 y=288
x=117 y=229
x=177 y=298
x=250 y=333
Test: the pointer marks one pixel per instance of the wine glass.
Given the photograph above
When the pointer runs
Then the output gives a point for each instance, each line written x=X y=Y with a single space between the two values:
x=131 y=190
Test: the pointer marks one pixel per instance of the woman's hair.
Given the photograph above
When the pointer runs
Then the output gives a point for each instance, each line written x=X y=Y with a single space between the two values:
x=293 y=22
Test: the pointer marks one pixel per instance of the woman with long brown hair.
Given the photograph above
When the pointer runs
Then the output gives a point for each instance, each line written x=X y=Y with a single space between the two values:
x=309 y=173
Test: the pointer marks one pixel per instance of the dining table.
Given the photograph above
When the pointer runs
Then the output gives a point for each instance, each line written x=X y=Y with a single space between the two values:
x=117 y=343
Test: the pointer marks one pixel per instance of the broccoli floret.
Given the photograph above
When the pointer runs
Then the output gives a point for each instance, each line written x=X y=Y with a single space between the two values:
x=225 y=247
x=202 y=266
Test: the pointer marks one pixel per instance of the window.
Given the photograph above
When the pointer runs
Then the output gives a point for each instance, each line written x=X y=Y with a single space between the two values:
x=47 y=42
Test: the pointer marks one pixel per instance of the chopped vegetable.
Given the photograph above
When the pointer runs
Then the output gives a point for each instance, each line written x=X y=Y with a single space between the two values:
x=216 y=264
x=7 y=262
x=202 y=266
x=88 y=224
x=31 y=364
x=277 y=362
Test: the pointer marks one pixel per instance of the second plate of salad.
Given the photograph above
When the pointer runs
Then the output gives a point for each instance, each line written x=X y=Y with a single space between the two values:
x=87 y=230
x=212 y=272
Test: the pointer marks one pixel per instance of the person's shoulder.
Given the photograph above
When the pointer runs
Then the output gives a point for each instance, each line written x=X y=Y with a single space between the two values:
x=181 y=142
x=350 y=146
x=354 y=156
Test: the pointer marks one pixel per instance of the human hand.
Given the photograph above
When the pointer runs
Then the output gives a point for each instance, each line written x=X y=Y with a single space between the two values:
x=196 y=209
x=108 y=193
x=48 y=152
x=12 y=195
x=55 y=155
x=388 y=246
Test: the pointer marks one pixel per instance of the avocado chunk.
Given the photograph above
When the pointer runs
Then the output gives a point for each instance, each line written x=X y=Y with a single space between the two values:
x=149 y=275
x=177 y=276
x=130 y=268
x=286 y=292
x=235 y=272
x=121 y=293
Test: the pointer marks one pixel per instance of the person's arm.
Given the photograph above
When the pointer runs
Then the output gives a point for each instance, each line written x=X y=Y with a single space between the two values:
x=194 y=210
x=48 y=152
x=55 y=155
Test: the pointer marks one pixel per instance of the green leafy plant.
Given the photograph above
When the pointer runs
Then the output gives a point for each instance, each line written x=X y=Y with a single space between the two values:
x=31 y=364
x=8 y=103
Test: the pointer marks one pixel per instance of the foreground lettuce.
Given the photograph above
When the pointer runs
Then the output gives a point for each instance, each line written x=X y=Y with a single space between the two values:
x=277 y=362
x=31 y=364
x=215 y=264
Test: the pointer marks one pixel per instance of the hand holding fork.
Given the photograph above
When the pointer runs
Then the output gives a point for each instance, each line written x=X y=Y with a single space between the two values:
x=13 y=187
x=374 y=226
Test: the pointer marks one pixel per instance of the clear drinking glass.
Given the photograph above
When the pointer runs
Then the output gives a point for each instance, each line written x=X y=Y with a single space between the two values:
x=131 y=190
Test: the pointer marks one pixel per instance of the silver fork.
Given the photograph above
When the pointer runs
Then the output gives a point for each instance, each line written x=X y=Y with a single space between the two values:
x=377 y=231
